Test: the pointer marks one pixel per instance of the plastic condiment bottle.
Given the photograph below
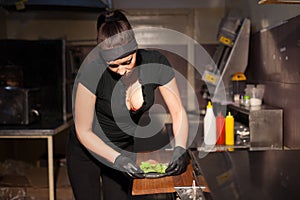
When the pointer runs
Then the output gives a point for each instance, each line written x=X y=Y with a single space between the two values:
x=220 y=128
x=247 y=100
x=229 y=129
x=209 y=125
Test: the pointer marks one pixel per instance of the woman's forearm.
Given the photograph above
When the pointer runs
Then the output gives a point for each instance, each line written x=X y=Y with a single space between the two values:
x=92 y=142
x=180 y=128
x=83 y=118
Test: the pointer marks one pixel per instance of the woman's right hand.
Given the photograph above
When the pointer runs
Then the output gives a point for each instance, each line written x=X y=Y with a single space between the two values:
x=127 y=165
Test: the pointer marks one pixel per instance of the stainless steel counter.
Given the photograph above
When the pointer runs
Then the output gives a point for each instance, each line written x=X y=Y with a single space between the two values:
x=49 y=127
x=43 y=129
x=249 y=175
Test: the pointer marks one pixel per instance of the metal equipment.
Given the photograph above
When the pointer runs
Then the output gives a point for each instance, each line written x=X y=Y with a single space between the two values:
x=231 y=56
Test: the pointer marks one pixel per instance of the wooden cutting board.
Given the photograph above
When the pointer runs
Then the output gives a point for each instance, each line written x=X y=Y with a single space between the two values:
x=164 y=184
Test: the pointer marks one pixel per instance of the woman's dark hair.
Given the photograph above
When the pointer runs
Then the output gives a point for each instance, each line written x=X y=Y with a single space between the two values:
x=109 y=26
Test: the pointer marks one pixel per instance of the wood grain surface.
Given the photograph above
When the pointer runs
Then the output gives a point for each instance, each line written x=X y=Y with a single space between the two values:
x=163 y=184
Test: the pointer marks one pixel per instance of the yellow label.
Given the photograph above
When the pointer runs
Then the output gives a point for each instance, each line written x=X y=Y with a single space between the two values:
x=210 y=78
x=20 y=5
x=225 y=40
x=224 y=177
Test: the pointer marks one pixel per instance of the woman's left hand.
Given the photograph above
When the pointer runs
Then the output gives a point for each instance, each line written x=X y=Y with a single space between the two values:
x=179 y=162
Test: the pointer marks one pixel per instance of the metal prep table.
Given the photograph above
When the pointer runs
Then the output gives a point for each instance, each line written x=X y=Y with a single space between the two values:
x=46 y=129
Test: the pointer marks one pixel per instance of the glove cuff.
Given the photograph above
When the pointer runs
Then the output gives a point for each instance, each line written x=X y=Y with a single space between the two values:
x=117 y=161
x=178 y=152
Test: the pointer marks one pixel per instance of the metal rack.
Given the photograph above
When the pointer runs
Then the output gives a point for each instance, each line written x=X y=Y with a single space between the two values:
x=265 y=124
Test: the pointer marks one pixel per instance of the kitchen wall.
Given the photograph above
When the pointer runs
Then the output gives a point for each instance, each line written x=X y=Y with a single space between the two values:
x=275 y=63
x=262 y=16
x=200 y=23
x=274 y=58
x=36 y=24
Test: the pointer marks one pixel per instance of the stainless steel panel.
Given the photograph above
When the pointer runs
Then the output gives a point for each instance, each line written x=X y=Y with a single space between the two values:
x=264 y=64
x=265 y=124
x=227 y=174
x=287 y=97
x=290 y=50
x=273 y=94
x=266 y=129
x=276 y=174
x=291 y=97
x=275 y=62
x=250 y=175
x=272 y=66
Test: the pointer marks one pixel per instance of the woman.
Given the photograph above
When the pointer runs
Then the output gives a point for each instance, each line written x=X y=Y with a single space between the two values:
x=114 y=88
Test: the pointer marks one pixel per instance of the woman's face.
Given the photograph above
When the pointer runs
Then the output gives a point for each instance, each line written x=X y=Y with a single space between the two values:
x=124 y=65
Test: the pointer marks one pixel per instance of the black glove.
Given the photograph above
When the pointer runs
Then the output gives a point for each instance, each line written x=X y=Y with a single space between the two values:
x=126 y=165
x=179 y=162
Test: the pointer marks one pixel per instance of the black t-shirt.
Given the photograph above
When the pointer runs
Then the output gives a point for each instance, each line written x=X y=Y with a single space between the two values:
x=117 y=123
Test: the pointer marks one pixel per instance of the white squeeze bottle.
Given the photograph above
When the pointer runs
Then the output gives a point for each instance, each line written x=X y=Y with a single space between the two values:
x=210 y=136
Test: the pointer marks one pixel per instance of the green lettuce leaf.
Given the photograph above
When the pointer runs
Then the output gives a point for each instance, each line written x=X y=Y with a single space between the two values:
x=158 y=168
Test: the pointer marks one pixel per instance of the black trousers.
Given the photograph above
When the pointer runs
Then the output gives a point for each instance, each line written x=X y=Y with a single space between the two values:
x=84 y=173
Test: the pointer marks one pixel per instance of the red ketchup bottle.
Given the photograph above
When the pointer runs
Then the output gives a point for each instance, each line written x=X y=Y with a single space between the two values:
x=220 y=129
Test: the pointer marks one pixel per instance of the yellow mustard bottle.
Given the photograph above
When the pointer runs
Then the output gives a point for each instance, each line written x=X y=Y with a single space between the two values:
x=229 y=129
